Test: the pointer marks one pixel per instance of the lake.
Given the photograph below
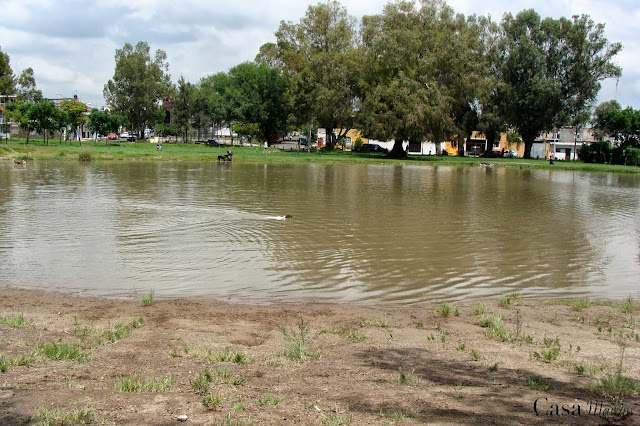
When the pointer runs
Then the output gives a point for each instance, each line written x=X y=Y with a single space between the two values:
x=366 y=233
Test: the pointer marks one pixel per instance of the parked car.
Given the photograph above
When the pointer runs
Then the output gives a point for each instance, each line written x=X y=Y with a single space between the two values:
x=212 y=142
x=112 y=136
x=510 y=154
x=125 y=135
x=372 y=147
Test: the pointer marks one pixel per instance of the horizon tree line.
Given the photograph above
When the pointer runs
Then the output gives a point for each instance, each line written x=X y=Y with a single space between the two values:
x=415 y=72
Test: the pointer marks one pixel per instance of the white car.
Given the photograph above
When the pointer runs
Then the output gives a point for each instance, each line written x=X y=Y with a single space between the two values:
x=510 y=154
x=125 y=135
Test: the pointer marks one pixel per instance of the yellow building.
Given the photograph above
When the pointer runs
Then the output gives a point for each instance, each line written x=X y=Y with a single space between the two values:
x=476 y=145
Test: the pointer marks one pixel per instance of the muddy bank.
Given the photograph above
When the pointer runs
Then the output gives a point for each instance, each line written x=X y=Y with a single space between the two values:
x=314 y=363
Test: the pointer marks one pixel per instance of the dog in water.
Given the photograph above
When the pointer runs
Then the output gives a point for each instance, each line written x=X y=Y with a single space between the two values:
x=17 y=163
x=283 y=217
x=227 y=157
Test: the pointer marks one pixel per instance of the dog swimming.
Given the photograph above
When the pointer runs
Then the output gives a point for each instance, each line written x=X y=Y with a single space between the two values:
x=284 y=217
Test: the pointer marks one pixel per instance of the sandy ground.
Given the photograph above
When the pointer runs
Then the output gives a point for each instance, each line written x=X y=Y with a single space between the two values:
x=234 y=364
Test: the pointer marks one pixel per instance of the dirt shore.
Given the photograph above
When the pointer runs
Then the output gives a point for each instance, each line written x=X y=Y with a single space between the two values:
x=220 y=363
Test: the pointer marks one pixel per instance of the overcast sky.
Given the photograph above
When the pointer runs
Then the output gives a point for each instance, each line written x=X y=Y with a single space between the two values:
x=71 y=44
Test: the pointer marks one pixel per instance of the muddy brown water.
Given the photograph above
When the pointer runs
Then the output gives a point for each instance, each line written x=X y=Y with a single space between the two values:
x=367 y=233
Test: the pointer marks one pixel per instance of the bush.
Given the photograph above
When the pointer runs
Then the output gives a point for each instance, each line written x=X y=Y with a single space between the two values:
x=633 y=157
x=596 y=152
x=357 y=145
x=84 y=155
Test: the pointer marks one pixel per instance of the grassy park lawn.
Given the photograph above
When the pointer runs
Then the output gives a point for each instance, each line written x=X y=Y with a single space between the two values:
x=37 y=150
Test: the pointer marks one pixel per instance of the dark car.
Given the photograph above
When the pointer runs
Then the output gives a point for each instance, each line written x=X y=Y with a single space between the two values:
x=212 y=142
x=372 y=147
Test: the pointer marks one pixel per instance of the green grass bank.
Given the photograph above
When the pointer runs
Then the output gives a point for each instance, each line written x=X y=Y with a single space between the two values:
x=18 y=149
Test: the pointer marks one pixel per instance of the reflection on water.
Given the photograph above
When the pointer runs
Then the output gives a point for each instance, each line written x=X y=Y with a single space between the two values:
x=358 y=232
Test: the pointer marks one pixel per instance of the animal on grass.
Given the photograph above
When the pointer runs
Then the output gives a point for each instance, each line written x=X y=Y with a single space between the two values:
x=227 y=157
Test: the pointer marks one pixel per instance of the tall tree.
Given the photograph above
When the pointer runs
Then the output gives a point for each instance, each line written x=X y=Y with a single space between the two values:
x=7 y=80
x=139 y=84
x=622 y=124
x=256 y=94
x=318 y=55
x=551 y=70
x=76 y=114
x=60 y=121
x=19 y=113
x=27 y=90
x=212 y=98
x=43 y=115
x=183 y=107
x=421 y=74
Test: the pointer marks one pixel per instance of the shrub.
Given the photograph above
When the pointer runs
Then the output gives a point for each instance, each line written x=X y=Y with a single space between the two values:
x=596 y=152
x=357 y=145
x=632 y=157
x=84 y=155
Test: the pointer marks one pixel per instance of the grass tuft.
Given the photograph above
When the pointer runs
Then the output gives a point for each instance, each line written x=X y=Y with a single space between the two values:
x=408 y=379
x=627 y=305
x=298 y=348
x=616 y=386
x=16 y=320
x=60 y=351
x=551 y=351
x=135 y=384
x=494 y=326
x=478 y=308
x=516 y=298
x=202 y=381
x=580 y=304
x=55 y=417
x=356 y=336
x=445 y=310
x=269 y=399
x=211 y=402
x=333 y=419
x=537 y=383
x=149 y=298
x=228 y=421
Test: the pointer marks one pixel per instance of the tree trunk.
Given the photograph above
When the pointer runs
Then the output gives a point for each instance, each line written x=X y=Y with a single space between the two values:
x=398 y=151
x=460 y=142
x=490 y=137
x=528 y=144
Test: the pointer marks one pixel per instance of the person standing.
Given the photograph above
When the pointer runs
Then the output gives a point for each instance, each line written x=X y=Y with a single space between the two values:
x=266 y=147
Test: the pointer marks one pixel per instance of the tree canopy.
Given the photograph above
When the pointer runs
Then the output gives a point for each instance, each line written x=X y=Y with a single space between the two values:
x=422 y=73
x=27 y=90
x=622 y=124
x=551 y=71
x=139 y=84
x=318 y=55
x=75 y=111
x=7 y=81
x=416 y=72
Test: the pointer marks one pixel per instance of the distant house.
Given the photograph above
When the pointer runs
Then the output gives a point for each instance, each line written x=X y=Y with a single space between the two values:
x=5 y=126
x=565 y=143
